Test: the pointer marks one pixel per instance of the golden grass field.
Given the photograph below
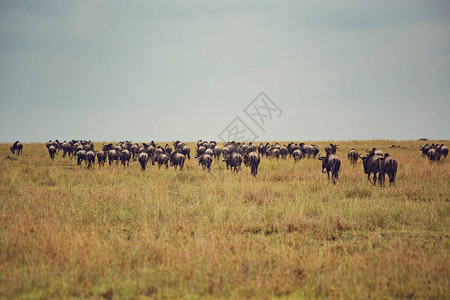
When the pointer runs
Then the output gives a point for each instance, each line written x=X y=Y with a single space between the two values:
x=70 y=232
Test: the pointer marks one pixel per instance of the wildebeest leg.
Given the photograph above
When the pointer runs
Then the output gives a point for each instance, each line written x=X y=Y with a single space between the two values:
x=391 y=179
x=328 y=174
x=381 y=178
x=374 y=178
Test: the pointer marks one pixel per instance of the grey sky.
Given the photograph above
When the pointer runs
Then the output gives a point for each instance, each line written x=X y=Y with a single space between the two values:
x=165 y=70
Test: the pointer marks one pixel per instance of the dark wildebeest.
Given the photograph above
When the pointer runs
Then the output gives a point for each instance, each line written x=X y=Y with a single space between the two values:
x=330 y=163
x=183 y=149
x=284 y=152
x=252 y=160
x=186 y=151
x=143 y=159
x=67 y=148
x=210 y=152
x=162 y=159
x=125 y=157
x=16 y=148
x=297 y=154
x=113 y=155
x=205 y=161
x=262 y=149
x=52 y=151
x=434 y=155
x=168 y=149
x=177 y=159
x=331 y=149
x=375 y=151
x=275 y=152
x=81 y=155
x=217 y=151
x=308 y=150
x=315 y=150
x=353 y=156
x=101 y=157
x=134 y=151
x=372 y=165
x=90 y=157
x=424 y=149
x=158 y=151
x=443 y=151
x=389 y=167
x=201 y=150
x=226 y=152
x=234 y=160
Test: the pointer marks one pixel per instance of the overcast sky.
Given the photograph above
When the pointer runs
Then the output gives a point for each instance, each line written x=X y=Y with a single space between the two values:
x=165 y=70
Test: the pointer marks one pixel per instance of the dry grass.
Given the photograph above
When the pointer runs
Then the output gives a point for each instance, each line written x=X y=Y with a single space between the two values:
x=122 y=233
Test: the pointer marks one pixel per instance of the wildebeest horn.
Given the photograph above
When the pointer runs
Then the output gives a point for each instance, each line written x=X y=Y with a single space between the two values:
x=367 y=150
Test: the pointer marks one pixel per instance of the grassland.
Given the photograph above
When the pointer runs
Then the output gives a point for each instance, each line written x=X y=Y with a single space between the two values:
x=70 y=232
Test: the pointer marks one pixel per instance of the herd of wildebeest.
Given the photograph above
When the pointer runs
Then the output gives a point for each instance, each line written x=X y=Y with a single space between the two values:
x=233 y=154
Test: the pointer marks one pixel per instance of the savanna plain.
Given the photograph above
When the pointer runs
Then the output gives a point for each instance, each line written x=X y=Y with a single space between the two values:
x=119 y=233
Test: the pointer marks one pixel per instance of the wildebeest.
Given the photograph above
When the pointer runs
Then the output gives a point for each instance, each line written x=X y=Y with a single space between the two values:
x=424 y=149
x=134 y=151
x=101 y=157
x=375 y=151
x=372 y=165
x=275 y=152
x=226 y=151
x=234 y=160
x=262 y=149
x=284 y=152
x=297 y=154
x=183 y=149
x=81 y=155
x=309 y=150
x=353 y=156
x=52 y=151
x=210 y=152
x=205 y=161
x=252 y=160
x=143 y=159
x=67 y=148
x=90 y=157
x=201 y=150
x=177 y=159
x=113 y=155
x=125 y=157
x=331 y=149
x=162 y=159
x=444 y=150
x=168 y=149
x=217 y=151
x=330 y=163
x=16 y=148
x=315 y=151
x=389 y=167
